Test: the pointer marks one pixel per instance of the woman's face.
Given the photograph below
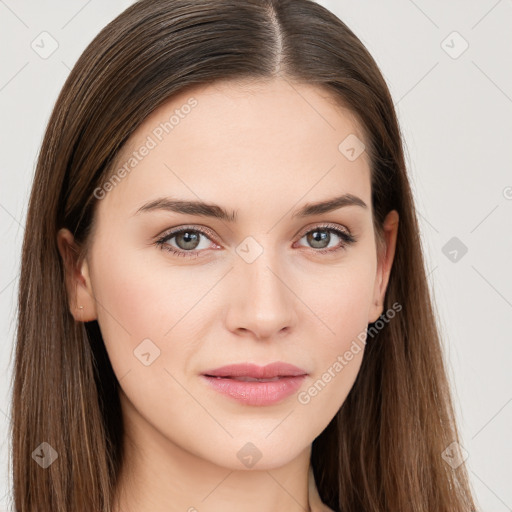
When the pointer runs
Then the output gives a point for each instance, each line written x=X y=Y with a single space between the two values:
x=263 y=284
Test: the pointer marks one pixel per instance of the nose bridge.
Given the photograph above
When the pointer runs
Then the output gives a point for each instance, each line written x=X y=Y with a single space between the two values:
x=262 y=302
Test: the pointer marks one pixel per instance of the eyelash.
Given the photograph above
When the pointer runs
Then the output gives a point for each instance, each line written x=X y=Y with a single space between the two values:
x=347 y=239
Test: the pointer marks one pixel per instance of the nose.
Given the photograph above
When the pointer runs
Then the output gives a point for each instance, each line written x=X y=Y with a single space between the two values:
x=262 y=301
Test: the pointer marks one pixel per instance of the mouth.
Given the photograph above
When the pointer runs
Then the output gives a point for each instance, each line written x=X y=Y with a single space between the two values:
x=256 y=385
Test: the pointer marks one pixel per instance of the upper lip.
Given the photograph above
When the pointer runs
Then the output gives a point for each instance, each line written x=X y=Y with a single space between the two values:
x=277 y=369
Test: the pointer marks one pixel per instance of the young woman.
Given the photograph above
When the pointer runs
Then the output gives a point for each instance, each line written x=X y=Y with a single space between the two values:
x=223 y=302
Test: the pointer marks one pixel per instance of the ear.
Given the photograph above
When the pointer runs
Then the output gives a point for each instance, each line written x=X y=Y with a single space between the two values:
x=78 y=283
x=384 y=263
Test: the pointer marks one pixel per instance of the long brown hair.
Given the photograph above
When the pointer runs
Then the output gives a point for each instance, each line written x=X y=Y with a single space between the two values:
x=383 y=451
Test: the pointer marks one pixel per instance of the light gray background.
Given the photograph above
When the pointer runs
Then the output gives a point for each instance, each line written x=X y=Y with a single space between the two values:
x=455 y=111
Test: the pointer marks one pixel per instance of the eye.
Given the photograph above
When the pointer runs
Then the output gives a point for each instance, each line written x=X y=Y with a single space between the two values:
x=321 y=237
x=187 y=241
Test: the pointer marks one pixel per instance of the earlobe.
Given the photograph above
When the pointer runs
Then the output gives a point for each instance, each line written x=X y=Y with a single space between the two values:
x=80 y=297
x=384 y=264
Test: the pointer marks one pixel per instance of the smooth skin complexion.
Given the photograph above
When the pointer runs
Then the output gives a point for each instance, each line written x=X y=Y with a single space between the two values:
x=263 y=150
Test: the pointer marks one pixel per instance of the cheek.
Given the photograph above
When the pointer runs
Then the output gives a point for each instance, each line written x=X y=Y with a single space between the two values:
x=128 y=297
x=341 y=298
x=341 y=306
x=140 y=299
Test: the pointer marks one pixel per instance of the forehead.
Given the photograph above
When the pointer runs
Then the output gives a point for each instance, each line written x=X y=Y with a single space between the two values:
x=249 y=140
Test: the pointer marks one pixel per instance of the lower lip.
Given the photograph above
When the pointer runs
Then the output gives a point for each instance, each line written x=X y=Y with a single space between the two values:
x=257 y=393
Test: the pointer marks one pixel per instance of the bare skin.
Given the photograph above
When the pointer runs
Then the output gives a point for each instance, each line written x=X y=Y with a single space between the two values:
x=264 y=150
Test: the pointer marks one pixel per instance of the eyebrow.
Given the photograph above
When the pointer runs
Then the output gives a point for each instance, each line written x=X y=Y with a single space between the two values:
x=218 y=212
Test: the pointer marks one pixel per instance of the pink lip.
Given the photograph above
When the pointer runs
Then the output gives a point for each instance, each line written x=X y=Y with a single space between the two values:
x=289 y=379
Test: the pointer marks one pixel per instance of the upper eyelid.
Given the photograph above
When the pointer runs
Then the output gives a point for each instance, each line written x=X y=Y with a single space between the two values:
x=326 y=225
x=169 y=233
